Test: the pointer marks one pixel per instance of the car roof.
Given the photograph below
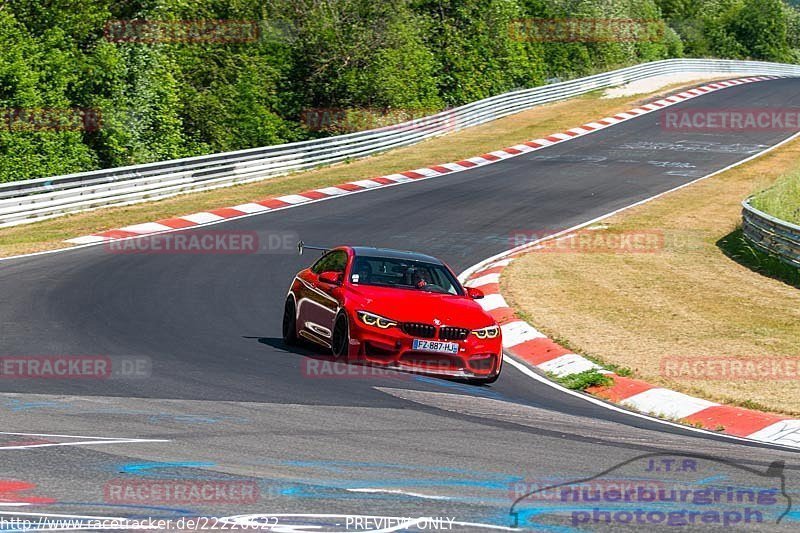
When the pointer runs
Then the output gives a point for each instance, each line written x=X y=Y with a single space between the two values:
x=394 y=254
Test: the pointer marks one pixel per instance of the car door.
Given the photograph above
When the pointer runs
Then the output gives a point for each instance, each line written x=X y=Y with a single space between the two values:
x=319 y=303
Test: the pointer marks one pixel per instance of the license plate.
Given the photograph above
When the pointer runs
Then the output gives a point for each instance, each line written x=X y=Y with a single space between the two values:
x=435 y=346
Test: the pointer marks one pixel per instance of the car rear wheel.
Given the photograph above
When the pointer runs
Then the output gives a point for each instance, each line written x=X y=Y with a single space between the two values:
x=340 y=341
x=289 y=323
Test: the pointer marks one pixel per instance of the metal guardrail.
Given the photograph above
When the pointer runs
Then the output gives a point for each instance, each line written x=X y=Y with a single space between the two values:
x=31 y=200
x=771 y=235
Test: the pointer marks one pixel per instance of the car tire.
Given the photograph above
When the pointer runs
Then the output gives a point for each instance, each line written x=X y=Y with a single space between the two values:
x=340 y=339
x=289 y=325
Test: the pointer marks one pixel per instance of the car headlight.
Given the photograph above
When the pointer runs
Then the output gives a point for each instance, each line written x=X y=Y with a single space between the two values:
x=371 y=319
x=489 y=332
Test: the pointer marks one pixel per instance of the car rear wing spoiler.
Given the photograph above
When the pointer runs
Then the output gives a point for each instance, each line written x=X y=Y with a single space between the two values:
x=302 y=246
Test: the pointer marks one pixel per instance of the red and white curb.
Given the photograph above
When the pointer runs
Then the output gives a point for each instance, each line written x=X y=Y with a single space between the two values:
x=525 y=343
x=282 y=202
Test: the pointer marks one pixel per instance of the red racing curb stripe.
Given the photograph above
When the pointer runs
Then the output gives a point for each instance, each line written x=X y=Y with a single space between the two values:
x=314 y=195
x=502 y=314
x=489 y=288
x=538 y=351
x=441 y=169
x=735 y=420
x=273 y=203
x=117 y=234
x=493 y=270
x=465 y=163
x=226 y=212
x=622 y=389
x=490 y=157
x=353 y=187
x=176 y=223
x=411 y=174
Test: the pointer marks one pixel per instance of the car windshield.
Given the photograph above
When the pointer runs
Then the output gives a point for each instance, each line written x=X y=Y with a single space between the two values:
x=404 y=274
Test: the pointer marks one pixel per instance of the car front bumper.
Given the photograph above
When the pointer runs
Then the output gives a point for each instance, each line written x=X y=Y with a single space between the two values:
x=392 y=348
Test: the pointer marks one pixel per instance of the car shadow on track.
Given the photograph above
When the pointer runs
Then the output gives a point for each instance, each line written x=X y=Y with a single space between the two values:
x=302 y=349
x=317 y=363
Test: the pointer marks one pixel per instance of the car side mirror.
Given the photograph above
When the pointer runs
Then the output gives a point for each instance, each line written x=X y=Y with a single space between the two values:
x=330 y=277
x=475 y=294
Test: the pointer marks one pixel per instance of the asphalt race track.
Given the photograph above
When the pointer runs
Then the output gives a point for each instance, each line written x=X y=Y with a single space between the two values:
x=225 y=401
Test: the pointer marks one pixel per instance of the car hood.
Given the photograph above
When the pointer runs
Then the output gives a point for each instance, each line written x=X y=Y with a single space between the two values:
x=408 y=305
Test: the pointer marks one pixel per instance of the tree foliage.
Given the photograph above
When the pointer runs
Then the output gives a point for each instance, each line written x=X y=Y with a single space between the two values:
x=163 y=98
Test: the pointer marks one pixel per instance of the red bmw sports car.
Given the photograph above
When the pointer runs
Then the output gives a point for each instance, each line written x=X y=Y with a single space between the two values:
x=396 y=309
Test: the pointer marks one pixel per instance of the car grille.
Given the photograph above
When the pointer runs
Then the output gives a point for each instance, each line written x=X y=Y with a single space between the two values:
x=452 y=333
x=416 y=329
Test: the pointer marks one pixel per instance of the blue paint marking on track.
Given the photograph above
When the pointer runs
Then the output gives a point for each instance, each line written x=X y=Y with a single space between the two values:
x=139 y=468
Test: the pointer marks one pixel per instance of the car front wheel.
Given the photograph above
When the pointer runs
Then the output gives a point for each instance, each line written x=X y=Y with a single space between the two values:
x=340 y=341
x=289 y=323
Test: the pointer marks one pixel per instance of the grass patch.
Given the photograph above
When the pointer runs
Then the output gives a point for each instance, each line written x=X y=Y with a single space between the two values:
x=735 y=246
x=543 y=120
x=688 y=299
x=782 y=200
x=583 y=380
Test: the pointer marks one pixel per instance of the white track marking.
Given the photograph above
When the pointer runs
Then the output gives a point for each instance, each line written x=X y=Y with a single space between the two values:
x=492 y=301
x=88 y=440
x=567 y=364
x=367 y=184
x=251 y=207
x=402 y=492
x=484 y=280
x=203 y=218
x=293 y=198
x=332 y=191
x=85 y=240
x=667 y=403
x=429 y=172
x=516 y=332
x=146 y=227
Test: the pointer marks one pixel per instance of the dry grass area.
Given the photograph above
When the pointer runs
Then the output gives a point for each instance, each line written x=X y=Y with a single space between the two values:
x=684 y=299
x=544 y=120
